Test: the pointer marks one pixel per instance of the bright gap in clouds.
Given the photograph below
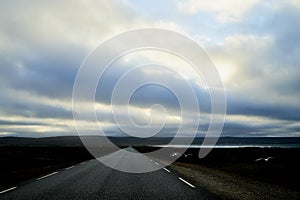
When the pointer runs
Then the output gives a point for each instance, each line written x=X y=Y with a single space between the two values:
x=152 y=66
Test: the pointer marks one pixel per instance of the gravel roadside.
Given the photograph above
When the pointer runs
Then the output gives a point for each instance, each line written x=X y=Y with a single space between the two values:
x=230 y=186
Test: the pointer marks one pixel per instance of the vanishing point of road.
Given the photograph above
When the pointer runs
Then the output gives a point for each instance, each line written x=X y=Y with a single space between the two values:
x=93 y=180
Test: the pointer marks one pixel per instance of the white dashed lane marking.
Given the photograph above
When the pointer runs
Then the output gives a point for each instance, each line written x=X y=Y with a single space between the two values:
x=186 y=182
x=47 y=176
x=156 y=163
x=7 y=190
x=69 y=168
x=166 y=170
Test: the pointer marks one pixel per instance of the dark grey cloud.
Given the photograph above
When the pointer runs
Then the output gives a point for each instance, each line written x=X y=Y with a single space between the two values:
x=37 y=110
x=7 y=122
x=52 y=74
x=23 y=104
x=242 y=106
x=242 y=129
x=149 y=94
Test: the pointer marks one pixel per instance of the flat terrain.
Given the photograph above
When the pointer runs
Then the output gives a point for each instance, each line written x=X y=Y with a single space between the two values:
x=238 y=173
x=23 y=163
x=93 y=180
x=229 y=173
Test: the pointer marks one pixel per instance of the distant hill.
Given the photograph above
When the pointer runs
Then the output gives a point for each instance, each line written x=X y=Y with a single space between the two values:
x=47 y=141
x=131 y=141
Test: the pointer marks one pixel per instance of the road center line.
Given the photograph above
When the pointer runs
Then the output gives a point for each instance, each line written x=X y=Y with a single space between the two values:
x=69 y=168
x=186 y=182
x=167 y=170
x=46 y=176
x=156 y=163
x=8 y=190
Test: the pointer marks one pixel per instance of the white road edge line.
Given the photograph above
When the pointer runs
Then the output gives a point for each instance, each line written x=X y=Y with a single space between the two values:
x=186 y=182
x=9 y=189
x=69 y=168
x=46 y=176
x=83 y=163
x=156 y=163
x=167 y=170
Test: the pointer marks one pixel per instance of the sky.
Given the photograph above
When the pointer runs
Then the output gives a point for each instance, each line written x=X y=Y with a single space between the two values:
x=255 y=46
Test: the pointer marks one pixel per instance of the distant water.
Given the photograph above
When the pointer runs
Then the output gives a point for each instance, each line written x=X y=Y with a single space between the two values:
x=234 y=146
x=232 y=142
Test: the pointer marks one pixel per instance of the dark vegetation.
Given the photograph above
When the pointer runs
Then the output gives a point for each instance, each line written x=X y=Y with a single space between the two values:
x=23 y=159
x=283 y=169
x=23 y=163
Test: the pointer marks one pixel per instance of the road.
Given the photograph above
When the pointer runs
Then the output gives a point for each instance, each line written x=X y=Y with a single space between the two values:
x=93 y=180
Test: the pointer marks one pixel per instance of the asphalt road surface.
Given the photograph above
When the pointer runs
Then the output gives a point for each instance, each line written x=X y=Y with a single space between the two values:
x=93 y=180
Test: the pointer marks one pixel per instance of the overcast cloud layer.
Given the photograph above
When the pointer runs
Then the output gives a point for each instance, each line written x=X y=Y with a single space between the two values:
x=254 y=44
